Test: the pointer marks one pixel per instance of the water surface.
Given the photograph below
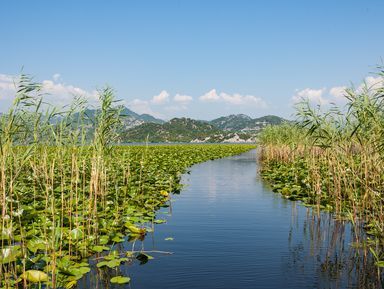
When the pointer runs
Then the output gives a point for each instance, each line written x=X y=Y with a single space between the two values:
x=230 y=230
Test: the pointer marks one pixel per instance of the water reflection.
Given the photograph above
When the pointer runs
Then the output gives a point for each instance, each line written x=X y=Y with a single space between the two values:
x=334 y=248
x=230 y=231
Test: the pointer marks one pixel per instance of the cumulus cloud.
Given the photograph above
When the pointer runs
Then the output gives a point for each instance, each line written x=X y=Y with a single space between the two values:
x=142 y=106
x=7 y=86
x=56 y=77
x=371 y=82
x=335 y=94
x=56 y=93
x=139 y=106
x=63 y=94
x=161 y=98
x=313 y=95
x=183 y=99
x=210 y=96
x=338 y=92
x=234 y=99
x=239 y=99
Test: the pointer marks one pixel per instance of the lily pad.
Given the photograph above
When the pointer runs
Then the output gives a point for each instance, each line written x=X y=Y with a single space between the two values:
x=35 y=276
x=120 y=280
x=99 y=249
x=160 y=221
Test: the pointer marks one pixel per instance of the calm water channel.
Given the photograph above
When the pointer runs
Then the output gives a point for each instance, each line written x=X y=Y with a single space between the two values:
x=230 y=230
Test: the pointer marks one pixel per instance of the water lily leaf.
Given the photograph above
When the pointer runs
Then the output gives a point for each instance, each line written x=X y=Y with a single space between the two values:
x=120 y=280
x=35 y=276
x=99 y=249
x=103 y=240
x=77 y=272
x=143 y=258
x=102 y=264
x=136 y=230
x=160 y=221
x=117 y=239
x=113 y=263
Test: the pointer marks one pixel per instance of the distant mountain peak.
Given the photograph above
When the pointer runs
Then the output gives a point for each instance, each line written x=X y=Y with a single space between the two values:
x=244 y=123
x=241 y=116
x=231 y=128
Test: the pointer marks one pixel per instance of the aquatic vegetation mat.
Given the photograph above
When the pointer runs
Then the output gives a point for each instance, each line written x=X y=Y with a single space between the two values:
x=68 y=191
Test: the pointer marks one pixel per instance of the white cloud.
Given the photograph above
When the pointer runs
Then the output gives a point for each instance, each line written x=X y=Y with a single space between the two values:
x=139 y=106
x=7 y=87
x=142 y=106
x=62 y=94
x=161 y=98
x=210 y=96
x=313 y=95
x=234 y=99
x=238 y=99
x=183 y=99
x=6 y=81
x=57 y=94
x=56 y=77
x=338 y=92
x=371 y=82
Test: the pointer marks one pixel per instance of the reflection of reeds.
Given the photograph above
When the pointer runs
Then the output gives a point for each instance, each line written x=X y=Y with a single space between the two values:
x=333 y=159
x=325 y=242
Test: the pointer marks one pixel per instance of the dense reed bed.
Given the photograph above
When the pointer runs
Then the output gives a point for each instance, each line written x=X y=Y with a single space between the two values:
x=67 y=191
x=331 y=158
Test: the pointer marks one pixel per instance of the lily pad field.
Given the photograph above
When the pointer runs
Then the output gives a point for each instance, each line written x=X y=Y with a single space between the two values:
x=68 y=191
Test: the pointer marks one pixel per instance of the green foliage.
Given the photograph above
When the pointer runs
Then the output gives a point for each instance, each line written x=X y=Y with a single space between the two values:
x=65 y=196
x=120 y=280
x=333 y=158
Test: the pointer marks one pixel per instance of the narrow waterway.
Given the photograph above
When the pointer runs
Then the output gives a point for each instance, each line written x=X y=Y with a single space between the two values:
x=230 y=230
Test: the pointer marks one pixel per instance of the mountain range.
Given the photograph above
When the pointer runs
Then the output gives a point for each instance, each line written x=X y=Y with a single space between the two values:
x=232 y=128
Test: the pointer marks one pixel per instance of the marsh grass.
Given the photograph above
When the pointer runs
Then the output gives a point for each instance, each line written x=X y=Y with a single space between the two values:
x=69 y=191
x=332 y=159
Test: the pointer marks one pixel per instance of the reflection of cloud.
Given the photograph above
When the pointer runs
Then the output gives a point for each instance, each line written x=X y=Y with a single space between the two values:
x=212 y=185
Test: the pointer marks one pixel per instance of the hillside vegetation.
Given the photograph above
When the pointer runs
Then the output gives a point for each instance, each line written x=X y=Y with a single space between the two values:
x=233 y=128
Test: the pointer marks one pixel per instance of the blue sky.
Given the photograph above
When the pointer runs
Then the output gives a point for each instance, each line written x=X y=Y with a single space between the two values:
x=201 y=59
